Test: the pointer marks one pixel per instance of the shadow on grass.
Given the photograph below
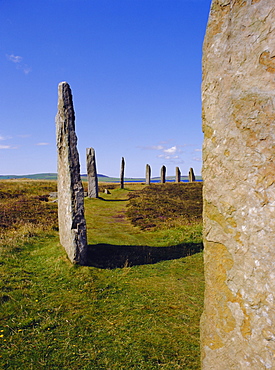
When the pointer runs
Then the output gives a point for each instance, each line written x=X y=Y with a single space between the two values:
x=107 y=256
x=113 y=200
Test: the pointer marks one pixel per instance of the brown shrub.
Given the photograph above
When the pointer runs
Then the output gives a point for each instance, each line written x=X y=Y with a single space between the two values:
x=156 y=205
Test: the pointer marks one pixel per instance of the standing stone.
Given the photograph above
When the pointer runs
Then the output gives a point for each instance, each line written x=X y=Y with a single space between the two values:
x=91 y=173
x=72 y=225
x=162 y=174
x=148 y=174
x=238 y=94
x=122 y=173
x=191 y=175
x=178 y=174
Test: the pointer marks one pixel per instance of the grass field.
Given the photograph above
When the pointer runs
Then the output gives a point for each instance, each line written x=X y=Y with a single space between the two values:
x=138 y=304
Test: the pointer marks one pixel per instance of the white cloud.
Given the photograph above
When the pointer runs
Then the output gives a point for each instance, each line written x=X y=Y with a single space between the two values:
x=14 y=58
x=152 y=147
x=157 y=147
x=171 y=150
x=163 y=156
x=196 y=159
x=5 y=147
x=170 y=154
x=5 y=137
x=42 y=144
x=17 y=60
x=26 y=69
x=8 y=147
x=198 y=150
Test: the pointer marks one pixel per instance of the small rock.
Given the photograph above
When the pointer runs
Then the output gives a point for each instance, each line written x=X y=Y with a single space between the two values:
x=53 y=194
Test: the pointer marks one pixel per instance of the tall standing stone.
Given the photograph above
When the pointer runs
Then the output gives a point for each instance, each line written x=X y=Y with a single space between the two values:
x=178 y=174
x=191 y=175
x=122 y=169
x=238 y=95
x=72 y=225
x=148 y=174
x=163 y=174
x=91 y=173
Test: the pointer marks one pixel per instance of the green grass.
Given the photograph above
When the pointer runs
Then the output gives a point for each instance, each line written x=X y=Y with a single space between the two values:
x=55 y=315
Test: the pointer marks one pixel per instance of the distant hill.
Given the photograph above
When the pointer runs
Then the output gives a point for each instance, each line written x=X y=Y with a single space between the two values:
x=37 y=176
x=42 y=176
x=101 y=178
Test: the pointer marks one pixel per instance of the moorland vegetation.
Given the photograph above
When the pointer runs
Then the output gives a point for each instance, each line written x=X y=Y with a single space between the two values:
x=138 y=311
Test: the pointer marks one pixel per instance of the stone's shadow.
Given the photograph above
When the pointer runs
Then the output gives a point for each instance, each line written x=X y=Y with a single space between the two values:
x=113 y=200
x=107 y=256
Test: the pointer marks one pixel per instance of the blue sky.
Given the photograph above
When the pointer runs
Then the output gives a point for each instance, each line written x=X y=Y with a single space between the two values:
x=134 y=67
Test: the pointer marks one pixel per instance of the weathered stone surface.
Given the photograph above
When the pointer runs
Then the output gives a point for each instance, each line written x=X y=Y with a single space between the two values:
x=122 y=169
x=191 y=175
x=148 y=174
x=72 y=225
x=238 y=94
x=163 y=174
x=178 y=174
x=91 y=173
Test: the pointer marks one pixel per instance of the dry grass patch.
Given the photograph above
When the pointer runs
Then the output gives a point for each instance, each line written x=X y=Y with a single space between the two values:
x=157 y=205
x=26 y=202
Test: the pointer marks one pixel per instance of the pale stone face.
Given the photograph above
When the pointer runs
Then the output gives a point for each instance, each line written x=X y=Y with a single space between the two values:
x=191 y=175
x=163 y=174
x=91 y=173
x=72 y=225
x=238 y=95
x=148 y=174
x=122 y=168
x=178 y=174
